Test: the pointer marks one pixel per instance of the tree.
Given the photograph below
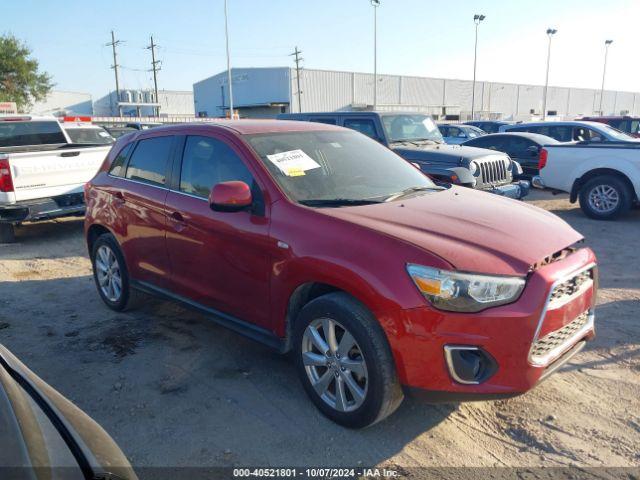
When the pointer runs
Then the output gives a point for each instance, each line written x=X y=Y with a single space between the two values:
x=20 y=80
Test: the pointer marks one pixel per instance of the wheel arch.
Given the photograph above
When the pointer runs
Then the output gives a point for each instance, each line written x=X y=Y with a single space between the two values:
x=579 y=182
x=301 y=296
x=93 y=232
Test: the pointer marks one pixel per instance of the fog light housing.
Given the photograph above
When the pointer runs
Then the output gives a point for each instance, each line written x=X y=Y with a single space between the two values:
x=469 y=365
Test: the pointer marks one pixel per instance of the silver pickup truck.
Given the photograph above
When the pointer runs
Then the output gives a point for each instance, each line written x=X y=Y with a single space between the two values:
x=42 y=174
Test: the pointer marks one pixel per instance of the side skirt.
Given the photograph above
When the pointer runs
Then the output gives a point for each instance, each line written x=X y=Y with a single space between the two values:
x=242 y=327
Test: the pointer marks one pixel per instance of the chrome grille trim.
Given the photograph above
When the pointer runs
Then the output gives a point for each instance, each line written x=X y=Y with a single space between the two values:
x=493 y=172
x=590 y=267
x=554 y=344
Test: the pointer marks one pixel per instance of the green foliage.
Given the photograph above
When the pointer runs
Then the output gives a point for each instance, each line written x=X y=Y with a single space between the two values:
x=20 y=80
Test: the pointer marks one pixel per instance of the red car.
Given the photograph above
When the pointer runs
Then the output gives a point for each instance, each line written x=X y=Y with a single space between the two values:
x=627 y=124
x=315 y=239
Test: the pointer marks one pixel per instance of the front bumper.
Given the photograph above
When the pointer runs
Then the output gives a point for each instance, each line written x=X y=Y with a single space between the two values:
x=43 y=209
x=517 y=190
x=507 y=334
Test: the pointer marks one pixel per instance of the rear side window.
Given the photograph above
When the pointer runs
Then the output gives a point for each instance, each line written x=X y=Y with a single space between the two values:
x=17 y=134
x=148 y=162
x=118 y=165
x=365 y=126
x=206 y=162
x=328 y=121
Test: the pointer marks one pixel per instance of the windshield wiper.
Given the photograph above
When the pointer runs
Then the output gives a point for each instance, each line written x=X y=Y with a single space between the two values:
x=410 y=190
x=338 y=202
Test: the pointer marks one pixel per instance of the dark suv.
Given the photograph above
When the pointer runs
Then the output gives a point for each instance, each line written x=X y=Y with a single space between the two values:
x=416 y=138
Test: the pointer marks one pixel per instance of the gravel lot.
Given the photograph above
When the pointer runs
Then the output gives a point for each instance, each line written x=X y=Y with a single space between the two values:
x=174 y=389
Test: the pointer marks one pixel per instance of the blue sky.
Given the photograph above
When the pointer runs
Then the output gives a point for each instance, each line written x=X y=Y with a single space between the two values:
x=415 y=37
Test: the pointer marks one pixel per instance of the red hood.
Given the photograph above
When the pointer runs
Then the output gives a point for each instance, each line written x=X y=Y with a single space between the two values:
x=474 y=231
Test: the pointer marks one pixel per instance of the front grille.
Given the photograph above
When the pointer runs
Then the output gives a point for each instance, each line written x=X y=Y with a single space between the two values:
x=545 y=348
x=494 y=172
x=569 y=287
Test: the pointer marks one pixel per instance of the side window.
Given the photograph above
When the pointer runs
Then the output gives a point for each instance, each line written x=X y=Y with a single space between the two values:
x=365 y=126
x=206 y=162
x=329 y=121
x=454 y=132
x=117 y=166
x=148 y=162
x=444 y=130
x=560 y=133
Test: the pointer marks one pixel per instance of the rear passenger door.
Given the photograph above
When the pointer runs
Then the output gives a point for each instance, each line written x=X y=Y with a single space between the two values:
x=138 y=195
x=221 y=260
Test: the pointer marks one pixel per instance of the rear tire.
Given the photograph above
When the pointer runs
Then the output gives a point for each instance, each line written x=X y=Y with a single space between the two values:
x=111 y=275
x=7 y=233
x=354 y=381
x=605 y=197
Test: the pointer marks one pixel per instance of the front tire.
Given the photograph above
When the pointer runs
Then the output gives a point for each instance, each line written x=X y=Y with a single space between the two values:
x=606 y=197
x=344 y=361
x=111 y=275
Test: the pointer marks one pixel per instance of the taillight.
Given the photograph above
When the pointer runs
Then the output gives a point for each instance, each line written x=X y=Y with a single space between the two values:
x=6 y=182
x=542 y=160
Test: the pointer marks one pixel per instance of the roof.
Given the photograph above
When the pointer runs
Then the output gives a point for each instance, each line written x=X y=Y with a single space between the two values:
x=610 y=117
x=253 y=126
x=570 y=123
x=536 y=137
x=362 y=113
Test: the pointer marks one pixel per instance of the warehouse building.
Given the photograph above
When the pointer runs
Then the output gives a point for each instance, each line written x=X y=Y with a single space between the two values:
x=265 y=92
x=142 y=103
x=58 y=102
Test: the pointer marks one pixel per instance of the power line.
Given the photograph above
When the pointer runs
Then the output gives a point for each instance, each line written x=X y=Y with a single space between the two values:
x=297 y=61
x=154 y=69
x=114 y=43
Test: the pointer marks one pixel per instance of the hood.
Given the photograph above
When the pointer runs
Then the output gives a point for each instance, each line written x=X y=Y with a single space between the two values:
x=451 y=153
x=474 y=231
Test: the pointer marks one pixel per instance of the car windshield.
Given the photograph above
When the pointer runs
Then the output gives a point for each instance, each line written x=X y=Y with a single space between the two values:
x=337 y=168
x=407 y=128
x=89 y=135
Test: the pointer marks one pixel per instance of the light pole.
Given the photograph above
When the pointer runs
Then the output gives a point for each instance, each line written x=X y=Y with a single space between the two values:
x=604 y=71
x=226 y=34
x=375 y=4
x=476 y=19
x=550 y=33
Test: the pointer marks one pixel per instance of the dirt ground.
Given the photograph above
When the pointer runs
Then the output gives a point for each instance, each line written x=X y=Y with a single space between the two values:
x=174 y=389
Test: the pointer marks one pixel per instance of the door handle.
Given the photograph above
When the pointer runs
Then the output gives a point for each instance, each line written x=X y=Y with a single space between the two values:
x=118 y=197
x=177 y=216
x=179 y=223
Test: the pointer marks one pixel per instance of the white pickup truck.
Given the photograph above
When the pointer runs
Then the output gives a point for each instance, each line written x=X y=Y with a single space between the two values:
x=42 y=174
x=605 y=177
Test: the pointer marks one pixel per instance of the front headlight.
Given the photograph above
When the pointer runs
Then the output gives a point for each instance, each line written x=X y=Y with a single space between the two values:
x=464 y=292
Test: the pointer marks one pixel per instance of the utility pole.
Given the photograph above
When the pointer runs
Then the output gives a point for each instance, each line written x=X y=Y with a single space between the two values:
x=114 y=43
x=476 y=19
x=550 y=33
x=226 y=34
x=298 y=59
x=375 y=4
x=155 y=69
x=604 y=72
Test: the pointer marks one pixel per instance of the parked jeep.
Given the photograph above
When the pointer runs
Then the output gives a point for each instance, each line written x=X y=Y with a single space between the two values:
x=416 y=138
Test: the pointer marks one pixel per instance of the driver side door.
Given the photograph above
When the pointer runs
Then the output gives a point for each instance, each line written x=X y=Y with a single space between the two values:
x=219 y=260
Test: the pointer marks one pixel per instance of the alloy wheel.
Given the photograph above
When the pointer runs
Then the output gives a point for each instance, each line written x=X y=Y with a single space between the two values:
x=334 y=364
x=604 y=198
x=108 y=273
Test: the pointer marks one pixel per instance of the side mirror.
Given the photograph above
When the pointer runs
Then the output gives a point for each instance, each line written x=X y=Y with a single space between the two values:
x=230 y=197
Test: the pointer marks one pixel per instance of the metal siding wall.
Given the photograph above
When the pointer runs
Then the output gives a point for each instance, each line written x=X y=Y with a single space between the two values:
x=322 y=90
x=581 y=102
x=458 y=92
x=422 y=91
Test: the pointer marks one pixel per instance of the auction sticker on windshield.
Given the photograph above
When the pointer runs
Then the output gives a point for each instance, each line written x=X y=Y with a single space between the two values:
x=293 y=163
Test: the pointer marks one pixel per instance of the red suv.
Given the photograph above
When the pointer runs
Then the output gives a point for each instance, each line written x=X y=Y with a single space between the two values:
x=315 y=239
